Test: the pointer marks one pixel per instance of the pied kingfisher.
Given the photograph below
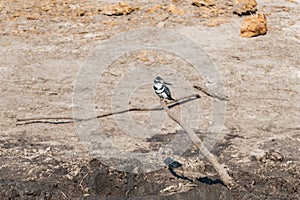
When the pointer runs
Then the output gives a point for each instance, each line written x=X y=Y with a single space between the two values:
x=161 y=89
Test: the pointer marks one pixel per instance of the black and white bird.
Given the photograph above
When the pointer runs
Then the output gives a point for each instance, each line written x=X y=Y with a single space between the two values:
x=161 y=89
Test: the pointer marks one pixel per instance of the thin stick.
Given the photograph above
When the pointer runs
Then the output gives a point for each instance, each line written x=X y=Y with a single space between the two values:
x=42 y=119
x=210 y=94
x=228 y=181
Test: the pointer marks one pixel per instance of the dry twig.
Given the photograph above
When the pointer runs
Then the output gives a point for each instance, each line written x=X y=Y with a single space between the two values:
x=222 y=98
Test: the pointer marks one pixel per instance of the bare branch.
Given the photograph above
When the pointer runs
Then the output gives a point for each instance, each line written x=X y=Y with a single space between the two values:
x=64 y=120
x=228 y=181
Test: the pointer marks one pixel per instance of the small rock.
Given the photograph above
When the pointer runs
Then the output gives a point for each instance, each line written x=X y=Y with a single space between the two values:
x=274 y=156
x=94 y=35
x=271 y=155
x=122 y=8
x=160 y=24
x=206 y=3
x=154 y=9
x=175 y=10
x=254 y=25
x=244 y=7
x=33 y=16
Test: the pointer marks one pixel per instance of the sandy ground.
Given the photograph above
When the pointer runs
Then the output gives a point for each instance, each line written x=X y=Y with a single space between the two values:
x=44 y=44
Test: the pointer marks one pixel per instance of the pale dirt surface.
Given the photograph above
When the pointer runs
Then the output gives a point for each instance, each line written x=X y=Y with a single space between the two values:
x=43 y=45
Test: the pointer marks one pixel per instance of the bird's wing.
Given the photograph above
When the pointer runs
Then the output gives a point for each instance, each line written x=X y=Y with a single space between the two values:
x=167 y=91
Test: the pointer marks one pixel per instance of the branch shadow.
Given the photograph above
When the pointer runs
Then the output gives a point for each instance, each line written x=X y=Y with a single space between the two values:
x=209 y=181
x=172 y=164
x=205 y=180
x=184 y=101
x=179 y=176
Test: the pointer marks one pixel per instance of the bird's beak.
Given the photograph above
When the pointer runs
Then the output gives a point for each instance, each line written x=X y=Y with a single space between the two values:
x=167 y=83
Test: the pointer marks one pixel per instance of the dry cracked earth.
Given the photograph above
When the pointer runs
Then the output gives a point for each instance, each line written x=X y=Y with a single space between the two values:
x=45 y=43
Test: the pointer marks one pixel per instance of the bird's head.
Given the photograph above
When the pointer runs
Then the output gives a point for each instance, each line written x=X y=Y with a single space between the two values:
x=158 y=80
